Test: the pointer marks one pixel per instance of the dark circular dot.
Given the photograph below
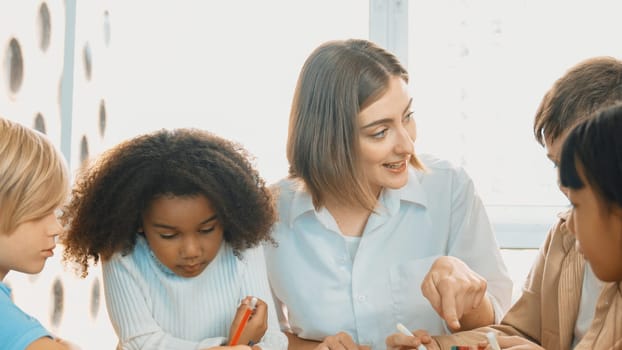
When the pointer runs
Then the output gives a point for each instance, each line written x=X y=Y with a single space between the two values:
x=40 y=124
x=84 y=149
x=87 y=57
x=14 y=65
x=102 y=118
x=44 y=25
x=58 y=299
x=95 y=298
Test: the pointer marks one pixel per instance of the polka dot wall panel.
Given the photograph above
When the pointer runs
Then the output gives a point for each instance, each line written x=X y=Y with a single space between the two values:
x=32 y=57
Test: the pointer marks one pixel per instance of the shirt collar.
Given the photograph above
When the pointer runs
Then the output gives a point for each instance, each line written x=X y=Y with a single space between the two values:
x=413 y=192
x=5 y=289
x=301 y=203
x=568 y=239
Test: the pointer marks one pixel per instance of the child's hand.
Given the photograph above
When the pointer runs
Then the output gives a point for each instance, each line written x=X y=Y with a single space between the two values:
x=257 y=323
x=399 y=341
x=512 y=343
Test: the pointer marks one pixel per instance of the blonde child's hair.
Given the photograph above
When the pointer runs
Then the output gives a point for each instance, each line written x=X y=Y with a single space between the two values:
x=34 y=179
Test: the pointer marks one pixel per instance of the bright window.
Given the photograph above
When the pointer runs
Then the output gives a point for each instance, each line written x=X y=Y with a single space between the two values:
x=479 y=70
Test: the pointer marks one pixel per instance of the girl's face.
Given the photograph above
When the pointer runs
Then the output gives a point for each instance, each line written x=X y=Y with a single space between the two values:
x=386 y=137
x=29 y=245
x=598 y=228
x=183 y=232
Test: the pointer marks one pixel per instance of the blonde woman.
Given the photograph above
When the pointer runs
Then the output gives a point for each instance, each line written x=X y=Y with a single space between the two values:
x=370 y=233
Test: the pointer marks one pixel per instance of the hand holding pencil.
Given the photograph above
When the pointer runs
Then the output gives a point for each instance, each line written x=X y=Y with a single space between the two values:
x=405 y=339
x=250 y=322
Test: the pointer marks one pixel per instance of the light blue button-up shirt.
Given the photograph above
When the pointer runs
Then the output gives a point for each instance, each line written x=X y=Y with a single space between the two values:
x=321 y=291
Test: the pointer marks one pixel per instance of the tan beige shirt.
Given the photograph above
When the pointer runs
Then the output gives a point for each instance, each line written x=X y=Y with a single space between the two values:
x=546 y=312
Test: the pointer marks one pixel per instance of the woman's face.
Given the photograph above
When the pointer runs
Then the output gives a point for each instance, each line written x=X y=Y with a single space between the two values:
x=598 y=228
x=387 y=132
x=183 y=232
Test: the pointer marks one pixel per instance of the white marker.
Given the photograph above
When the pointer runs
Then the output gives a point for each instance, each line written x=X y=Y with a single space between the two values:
x=404 y=330
x=492 y=340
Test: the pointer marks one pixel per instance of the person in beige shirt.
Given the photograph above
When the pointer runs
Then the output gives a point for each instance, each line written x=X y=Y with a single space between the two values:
x=560 y=303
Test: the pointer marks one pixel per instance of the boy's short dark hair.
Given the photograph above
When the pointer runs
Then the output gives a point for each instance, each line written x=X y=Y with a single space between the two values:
x=595 y=146
x=585 y=88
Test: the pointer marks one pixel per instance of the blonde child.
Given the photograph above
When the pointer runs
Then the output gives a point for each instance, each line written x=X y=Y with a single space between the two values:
x=34 y=183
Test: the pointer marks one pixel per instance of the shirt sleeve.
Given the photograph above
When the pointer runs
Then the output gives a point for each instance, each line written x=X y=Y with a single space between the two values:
x=281 y=314
x=523 y=318
x=473 y=241
x=131 y=316
x=255 y=283
x=17 y=329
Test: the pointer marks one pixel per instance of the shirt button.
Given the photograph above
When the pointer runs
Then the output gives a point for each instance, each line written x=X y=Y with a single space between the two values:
x=361 y=298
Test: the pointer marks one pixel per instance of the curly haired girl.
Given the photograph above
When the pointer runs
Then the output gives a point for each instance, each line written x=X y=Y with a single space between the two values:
x=177 y=218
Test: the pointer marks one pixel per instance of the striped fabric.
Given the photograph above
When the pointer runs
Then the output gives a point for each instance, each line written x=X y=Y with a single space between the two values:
x=152 y=308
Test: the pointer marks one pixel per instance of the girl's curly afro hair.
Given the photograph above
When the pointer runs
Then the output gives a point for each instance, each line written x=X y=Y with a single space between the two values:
x=108 y=198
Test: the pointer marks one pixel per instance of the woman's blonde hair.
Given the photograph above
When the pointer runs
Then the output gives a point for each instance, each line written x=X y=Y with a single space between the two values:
x=34 y=179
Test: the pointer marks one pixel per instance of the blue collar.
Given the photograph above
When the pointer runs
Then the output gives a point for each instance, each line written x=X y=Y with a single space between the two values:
x=5 y=289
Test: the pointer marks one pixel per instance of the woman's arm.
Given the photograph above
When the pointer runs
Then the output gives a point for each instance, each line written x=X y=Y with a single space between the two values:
x=524 y=317
x=458 y=294
x=474 y=258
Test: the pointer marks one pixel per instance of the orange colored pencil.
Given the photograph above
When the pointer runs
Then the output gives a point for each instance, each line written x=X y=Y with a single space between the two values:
x=245 y=317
